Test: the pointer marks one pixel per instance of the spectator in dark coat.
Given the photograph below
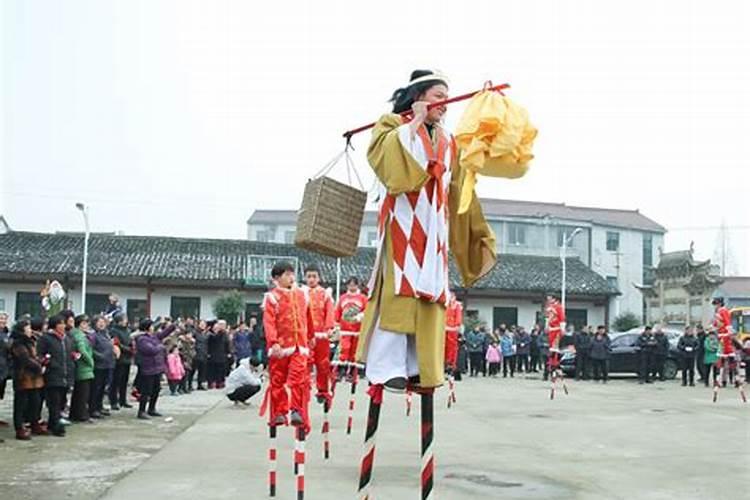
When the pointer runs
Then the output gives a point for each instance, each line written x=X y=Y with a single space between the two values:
x=256 y=340
x=241 y=343
x=599 y=354
x=201 y=354
x=475 y=348
x=646 y=344
x=152 y=365
x=27 y=382
x=660 y=353
x=534 y=349
x=56 y=350
x=4 y=355
x=104 y=363
x=700 y=335
x=118 y=389
x=523 y=351
x=219 y=354
x=688 y=347
x=582 y=341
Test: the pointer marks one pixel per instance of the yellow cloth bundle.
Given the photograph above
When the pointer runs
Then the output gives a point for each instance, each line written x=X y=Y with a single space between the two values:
x=495 y=138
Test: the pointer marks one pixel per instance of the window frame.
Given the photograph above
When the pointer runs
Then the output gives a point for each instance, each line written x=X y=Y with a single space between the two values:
x=616 y=239
x=516 y=229
x=174 y=310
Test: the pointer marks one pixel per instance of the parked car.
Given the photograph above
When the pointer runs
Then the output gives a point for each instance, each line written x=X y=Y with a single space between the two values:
x=624 y=358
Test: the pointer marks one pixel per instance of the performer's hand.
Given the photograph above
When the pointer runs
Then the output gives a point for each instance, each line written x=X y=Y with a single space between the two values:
x=275 y=350
x=420 y=110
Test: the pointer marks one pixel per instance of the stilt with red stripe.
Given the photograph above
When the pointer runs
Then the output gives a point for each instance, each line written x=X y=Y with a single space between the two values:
x=299 y=460
x=408 y=402
x=326 y=429
x=272 y=461
x=451 y=390
x=428 y=459
x=350 y=419
x=368 y=455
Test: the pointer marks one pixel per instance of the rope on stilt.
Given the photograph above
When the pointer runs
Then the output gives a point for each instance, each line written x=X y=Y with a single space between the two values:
x=299 y=460
x=368 y=453
x=272 y=461
x=428 y=459
x=408 y=402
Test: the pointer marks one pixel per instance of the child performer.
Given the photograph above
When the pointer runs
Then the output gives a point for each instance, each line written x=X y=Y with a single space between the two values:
x=321 y=309
x=349 y=312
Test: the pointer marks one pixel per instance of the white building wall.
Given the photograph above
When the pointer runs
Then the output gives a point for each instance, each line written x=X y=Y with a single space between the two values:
x=277 y=233
x=527 y=310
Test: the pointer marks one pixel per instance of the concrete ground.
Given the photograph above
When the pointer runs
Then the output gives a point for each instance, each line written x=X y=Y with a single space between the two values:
x=503 y=439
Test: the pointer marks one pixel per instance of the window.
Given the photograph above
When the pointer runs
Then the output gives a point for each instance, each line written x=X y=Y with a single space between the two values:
x=562 y=234
x=136 y=310
x=28 y=303
x=624 y=341
x=613 y=241
x=372 y=238
x=516 y=234
x=648 y=251
x=507 y=316
x=613 y=283
x=96 y=303
x=182 y=307
x=577 y=318
x=263 y=236
x=253 y=309
x=289 y=237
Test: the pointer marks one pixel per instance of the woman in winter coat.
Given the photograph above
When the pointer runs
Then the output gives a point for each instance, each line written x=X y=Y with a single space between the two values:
x=152 y=358
x=508 y=348
x=710 y=357
x=79 y=405
x=104 y=364
x=28 y=382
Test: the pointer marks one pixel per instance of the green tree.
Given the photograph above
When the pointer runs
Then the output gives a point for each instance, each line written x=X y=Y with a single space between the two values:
x=229 y=306
x=625 y=322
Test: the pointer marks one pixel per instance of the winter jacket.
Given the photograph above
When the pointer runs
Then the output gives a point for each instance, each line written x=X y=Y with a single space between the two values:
x=662 y=345
x=256 y=339
x=493 y=354
x=646 y=342
x=121 y=336
x=104 y=355
x=218 y=347
x=60 y=368
x=4 y=354
x=475 y=341
x=187 y=352
x=523 y=341
x=201 y=345
x=534 y=338
x=582 y=342
x=27 y=371
x=152 y=355
x=175 y=370
x=599 y=348
x=241 y=376
x=241 y=342
x=506 y=346
x=85 y=363
x=688 y=346
x=543 y=343
x=711 y=350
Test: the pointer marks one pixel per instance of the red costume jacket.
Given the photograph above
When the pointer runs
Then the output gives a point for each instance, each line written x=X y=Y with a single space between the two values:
x=555 y=316
x=454 y=316
x=348 y=311
x=287 y=319
x=321 y=310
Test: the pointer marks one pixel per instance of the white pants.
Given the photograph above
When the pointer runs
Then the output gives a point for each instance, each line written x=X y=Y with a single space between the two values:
x=390 y=355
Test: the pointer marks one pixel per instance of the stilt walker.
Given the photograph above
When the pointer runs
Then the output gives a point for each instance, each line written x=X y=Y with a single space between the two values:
x=555 y=318
x=368 y=456
x=422 y=182
x=728 y=359
x=454 y=318
x=348 y=318
x=287 y=323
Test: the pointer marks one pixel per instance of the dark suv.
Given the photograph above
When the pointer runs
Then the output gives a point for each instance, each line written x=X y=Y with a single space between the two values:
x=624 y=357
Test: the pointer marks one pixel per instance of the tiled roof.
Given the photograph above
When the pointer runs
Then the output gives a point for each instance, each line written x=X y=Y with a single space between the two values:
x=735 y=287
x=213 y=261
x=627 y=219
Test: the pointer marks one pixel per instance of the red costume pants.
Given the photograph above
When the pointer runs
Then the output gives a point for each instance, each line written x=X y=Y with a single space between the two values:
x=289 y=371
x=348 y=347
x=322 y=361
x=451 y=349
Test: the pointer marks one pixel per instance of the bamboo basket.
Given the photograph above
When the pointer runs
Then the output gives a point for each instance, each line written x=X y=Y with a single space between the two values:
x=330 y=218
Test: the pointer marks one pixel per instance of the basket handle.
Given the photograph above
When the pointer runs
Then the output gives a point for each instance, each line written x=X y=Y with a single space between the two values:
x=350 y=167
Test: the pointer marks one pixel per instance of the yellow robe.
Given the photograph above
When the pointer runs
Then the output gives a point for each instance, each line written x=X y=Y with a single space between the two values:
x=472 y=244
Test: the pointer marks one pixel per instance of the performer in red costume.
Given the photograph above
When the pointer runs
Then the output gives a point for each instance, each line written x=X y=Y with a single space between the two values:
x=288 y=328
x=555 y=318
x=321 y=309
x=348 y=317
x=454 y=318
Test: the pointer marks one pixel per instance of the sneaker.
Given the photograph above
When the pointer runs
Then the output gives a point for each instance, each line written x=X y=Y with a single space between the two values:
x=96 y=415
x=39 y=430
x=115 y=407
x=59 y=432
x=296 y=419
x=279 y=420
x=23 y=435
x=143 y=416
x=320 y=398
x=106 y=413
x=65 y=421
x=126 y=405
x=154 y=414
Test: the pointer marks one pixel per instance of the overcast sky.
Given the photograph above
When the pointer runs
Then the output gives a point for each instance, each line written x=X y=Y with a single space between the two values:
x=182 y=117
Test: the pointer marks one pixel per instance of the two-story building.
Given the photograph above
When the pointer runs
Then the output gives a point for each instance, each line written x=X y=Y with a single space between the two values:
x=622 y=246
